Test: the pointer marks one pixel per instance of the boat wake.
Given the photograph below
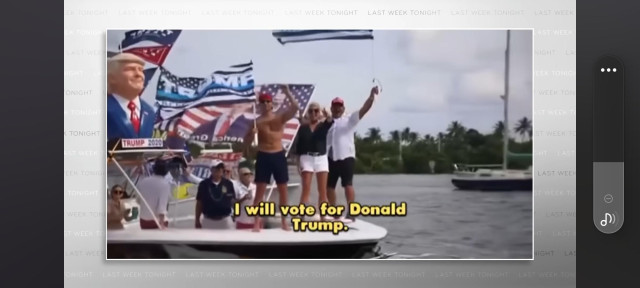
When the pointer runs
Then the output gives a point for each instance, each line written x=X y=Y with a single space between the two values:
x=421 y=256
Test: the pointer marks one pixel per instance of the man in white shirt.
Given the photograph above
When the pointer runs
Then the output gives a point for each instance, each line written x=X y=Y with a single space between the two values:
x=245 y=192
x=342 y=148
x=156 y=191
x=176 y=180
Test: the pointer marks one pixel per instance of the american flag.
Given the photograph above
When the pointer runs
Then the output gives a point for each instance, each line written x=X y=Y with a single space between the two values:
x=302 y=93
x=144 y=38
x=176 y=92
x=292 y=36
x=184 y=121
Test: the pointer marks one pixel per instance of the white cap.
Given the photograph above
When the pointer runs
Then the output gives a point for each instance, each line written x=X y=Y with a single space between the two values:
x=215 y=163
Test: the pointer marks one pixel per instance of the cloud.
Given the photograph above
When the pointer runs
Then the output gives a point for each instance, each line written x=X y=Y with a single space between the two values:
x=480 y=86
x=421 y=92
x=114 y=37
x=454 y=50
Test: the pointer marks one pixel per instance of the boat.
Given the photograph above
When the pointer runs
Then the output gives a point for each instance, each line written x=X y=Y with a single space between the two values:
x=182 y=241
x=483 y=178
x=487 y=177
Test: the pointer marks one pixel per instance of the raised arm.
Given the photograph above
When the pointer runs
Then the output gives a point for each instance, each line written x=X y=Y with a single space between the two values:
x=293 y=109
x=367 y=104
x=327 y=116
x=303 y=120
x=190 y=177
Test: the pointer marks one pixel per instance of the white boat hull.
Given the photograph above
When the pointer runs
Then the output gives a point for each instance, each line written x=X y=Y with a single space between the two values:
x=275 y=243
x=493 y=180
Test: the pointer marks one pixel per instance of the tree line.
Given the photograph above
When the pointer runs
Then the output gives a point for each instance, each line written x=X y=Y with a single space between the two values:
x=406 y=151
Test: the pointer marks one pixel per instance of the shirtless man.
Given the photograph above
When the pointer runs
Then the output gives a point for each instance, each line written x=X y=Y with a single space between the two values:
x=271 y=158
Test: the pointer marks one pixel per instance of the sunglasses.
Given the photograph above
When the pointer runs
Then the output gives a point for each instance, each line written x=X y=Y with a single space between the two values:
x=265 y=101
x=118 y=191
x=336 y=105
x=247 y=174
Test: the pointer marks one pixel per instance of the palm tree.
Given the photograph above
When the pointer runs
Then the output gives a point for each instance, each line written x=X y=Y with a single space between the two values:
x=524 y=128
x=473 y=138
x=413 y=137
x=357 y=137
x=498 y=128
x=404 y=135
x=456 y=129
x=428 y=139
x=440 y=137
x=395 y=135
x=373 y=135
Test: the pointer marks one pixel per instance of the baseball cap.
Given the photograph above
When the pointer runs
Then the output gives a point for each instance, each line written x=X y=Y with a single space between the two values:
x=217 y=164
x=265 y=97
x=337 y=100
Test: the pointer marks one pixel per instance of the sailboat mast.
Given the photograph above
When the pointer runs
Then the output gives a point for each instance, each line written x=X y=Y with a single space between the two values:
x=505 y=98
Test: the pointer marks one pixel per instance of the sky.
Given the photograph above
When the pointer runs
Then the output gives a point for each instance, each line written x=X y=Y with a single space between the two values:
x=429 y=78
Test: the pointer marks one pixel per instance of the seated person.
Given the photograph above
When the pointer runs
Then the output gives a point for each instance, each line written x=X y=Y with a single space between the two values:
x=245 y=192
x=215 y=199
x=116 y=210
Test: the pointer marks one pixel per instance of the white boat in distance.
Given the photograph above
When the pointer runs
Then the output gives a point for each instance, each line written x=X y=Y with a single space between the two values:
x=182 y=241
x=483 y=177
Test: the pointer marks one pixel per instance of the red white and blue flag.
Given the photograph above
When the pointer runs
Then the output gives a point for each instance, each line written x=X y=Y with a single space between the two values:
x=186 y=103
x=153 y=46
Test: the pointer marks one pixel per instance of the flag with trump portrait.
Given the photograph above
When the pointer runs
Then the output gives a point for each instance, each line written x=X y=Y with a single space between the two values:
x=238 y=119
x=185 y=116
x=186 y=103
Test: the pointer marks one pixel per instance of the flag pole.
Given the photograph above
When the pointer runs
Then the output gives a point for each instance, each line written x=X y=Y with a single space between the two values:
x=373 y=62
x=255 y=125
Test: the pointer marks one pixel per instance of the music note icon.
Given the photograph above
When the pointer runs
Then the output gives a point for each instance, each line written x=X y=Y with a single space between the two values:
x=608 y=219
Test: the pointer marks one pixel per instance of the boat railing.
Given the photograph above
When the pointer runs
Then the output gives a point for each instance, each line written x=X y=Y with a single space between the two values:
x=474 y=167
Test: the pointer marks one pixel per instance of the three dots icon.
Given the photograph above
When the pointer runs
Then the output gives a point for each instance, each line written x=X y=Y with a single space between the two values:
x=608 y=70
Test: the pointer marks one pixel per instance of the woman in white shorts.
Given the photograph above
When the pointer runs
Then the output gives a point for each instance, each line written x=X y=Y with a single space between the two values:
x=312 y=151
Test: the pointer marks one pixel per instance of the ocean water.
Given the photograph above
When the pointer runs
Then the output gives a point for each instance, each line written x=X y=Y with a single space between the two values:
x=443 y=222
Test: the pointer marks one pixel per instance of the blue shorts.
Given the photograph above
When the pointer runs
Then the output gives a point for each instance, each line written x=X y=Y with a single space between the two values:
x=275 y=164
